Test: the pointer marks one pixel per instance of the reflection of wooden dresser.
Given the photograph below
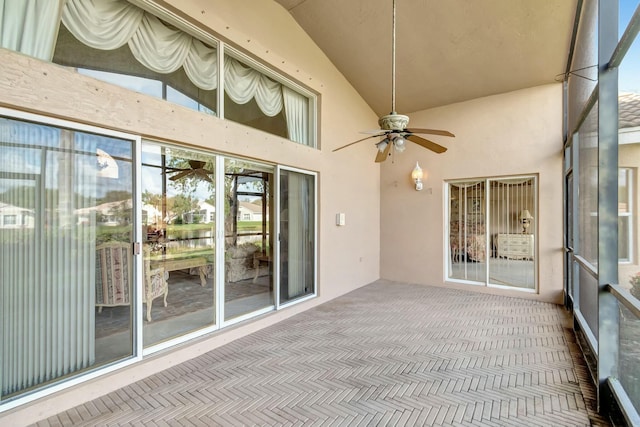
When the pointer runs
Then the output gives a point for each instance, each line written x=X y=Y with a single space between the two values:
x=515 y=246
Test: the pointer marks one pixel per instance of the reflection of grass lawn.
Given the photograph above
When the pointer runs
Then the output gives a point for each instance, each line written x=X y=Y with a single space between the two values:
x=190 y=227
x=249 y=226
x=242 y=226
x=630 y=355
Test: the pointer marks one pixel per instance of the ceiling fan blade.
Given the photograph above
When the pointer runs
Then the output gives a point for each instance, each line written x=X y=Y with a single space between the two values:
x=430 y=131
x=430 y=145
x=355 y=142
x=203 y=174
x=181 y=174
x=382 y=155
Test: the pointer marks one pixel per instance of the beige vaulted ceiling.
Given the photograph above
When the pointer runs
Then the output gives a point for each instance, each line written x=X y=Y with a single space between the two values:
x=447 y=51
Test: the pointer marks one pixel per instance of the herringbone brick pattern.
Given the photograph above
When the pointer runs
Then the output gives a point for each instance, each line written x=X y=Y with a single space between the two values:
x=387 y=354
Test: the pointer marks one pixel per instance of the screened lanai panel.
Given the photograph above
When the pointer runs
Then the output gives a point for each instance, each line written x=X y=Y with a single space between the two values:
x=584 y=72
x=628 y=167
x=628 y=198
x=588 y=189
x=587 y=209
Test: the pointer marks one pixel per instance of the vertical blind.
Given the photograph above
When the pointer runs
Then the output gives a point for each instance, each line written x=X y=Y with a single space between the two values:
x=47 y=279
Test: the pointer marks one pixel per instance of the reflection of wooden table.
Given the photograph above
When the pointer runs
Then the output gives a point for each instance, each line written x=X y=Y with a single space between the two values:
x=177 y=263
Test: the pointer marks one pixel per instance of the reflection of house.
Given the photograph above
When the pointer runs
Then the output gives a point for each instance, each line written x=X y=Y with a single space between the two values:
x=15 y=217
x=110 y=213
x=248 y=211
x=628 y=192
x=207 y=212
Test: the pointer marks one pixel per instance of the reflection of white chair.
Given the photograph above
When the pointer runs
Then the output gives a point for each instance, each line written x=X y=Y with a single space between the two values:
x=113 y=274
x=259 y=258
x=155 y=282
x=114 y=277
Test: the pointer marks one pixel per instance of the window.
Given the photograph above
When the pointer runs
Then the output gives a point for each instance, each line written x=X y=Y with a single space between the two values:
x=10 y=220
x=625 y=217
x=180 y=68
x=492 y=231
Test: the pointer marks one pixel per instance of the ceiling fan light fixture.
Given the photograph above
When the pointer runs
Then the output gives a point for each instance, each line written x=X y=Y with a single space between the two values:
x=382 y=145
x=399 y=143
x=393 y=121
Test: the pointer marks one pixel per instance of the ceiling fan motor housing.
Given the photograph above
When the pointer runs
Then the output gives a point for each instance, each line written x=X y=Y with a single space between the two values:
x=393 y=121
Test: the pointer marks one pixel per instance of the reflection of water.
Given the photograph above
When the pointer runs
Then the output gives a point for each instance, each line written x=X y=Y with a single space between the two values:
x=191 y=239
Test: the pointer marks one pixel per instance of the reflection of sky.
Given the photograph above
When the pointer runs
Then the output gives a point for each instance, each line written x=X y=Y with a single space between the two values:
x=137 y=84
x=152 y=182
x=629 y=71
x=32 y=140
x=146 y=86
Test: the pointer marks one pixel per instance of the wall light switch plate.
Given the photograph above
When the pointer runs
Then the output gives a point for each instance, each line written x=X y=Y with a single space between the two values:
x=340 y=219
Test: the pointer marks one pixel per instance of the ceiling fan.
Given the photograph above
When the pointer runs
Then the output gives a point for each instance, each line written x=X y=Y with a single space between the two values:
x=393 y=126
x=196 y=169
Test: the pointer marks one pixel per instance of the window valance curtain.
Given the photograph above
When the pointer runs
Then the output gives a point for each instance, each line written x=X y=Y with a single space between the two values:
x=30 y=26
x=109 y=24
x=242 y=83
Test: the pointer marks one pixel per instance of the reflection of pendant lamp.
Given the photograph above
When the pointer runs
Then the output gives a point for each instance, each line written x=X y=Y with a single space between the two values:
x=107 y=166
x=525 y=219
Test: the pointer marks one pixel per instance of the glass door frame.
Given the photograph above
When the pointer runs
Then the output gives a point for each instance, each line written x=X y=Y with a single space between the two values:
x=221 y=240
x=276 y=261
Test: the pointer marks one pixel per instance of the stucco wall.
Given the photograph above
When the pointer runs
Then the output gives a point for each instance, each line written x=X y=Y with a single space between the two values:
x=348 y=180
x=514 y=133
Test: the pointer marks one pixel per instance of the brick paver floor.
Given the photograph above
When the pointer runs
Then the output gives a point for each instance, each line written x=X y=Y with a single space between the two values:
x=386 y=354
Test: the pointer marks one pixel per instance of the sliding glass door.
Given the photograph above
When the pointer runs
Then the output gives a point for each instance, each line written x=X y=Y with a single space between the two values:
x=248 y=231
x=112 y=247
x=66 y=240
x=492 y=231
x=512 y=227
x=297 y=235
x=179 y=229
